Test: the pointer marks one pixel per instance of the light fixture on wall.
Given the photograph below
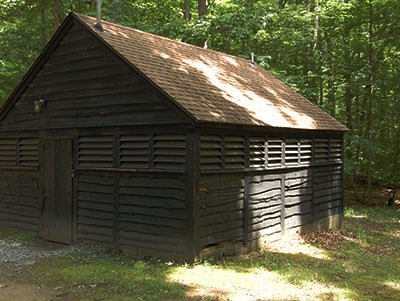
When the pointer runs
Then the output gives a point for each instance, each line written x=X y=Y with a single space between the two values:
x=39 y=105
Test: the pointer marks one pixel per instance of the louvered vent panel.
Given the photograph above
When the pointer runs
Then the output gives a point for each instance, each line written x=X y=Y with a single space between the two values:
x=305 y=151
x=96 y=151
x=8 y=151
x=134 y=151
x=274 y=153
x=28 y=152
x=291 y=152
x=321 y=150
x=169 y=151
x=257 y=152
x=335 y=150
x=211 y=152
x=234 y=152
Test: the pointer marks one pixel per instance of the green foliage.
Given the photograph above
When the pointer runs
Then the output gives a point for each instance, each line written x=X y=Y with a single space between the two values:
x=341 y=54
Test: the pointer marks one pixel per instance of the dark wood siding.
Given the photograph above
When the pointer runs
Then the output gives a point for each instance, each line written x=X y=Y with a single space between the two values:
x=96 y=207
x=253 y=186
x=298 y=198
x=221 y=201
x=152 y=213
x=19 y=199
x=264 y=206
x=84 y=84
x=139 y=212
x=328 y=191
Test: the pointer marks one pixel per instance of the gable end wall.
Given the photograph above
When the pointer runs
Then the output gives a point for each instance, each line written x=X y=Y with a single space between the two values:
x=84 y=84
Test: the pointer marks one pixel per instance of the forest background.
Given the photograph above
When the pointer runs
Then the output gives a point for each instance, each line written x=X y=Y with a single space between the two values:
x=343 y=55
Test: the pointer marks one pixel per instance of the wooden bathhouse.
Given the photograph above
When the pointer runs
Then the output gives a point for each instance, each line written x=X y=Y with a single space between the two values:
x=139 y=142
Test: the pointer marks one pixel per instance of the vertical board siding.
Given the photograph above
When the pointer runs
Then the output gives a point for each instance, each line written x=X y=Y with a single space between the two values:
x=221 y=201
x=298 y=198
x=95 y=208
x=85 y=84
x=152 y=213
x=264 y=205
x=19 y=200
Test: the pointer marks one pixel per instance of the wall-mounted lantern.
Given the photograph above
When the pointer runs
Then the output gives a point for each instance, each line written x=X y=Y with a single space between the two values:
x=39 y=105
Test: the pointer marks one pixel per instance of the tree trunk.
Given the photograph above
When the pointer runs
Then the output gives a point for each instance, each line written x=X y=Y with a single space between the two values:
x=58 y=13
x=187 y=11
x=202 y=7
x=369 y=104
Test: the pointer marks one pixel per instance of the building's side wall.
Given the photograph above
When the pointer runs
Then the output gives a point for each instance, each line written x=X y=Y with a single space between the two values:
x=221 y=205
x=254 y=187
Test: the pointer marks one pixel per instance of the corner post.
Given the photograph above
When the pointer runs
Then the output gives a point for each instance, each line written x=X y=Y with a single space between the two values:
x=192 y=188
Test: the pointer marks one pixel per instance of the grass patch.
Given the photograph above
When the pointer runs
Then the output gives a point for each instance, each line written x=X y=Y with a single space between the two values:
x=19 y=236
x=108 y=278
x=363 y=266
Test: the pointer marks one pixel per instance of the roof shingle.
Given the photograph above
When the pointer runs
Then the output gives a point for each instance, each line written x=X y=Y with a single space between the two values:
x=212 y=86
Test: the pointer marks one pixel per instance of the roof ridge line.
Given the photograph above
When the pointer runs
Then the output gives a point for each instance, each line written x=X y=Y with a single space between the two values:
x=171 y=40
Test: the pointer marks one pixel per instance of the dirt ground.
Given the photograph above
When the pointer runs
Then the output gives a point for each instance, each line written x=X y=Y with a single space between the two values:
x=16 y=262
x=25 y=292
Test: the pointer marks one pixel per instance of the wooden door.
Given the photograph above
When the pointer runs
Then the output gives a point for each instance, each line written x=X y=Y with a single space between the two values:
x=56 y=177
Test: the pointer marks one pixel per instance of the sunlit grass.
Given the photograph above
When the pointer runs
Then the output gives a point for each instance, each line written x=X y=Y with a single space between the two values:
x=364 y=266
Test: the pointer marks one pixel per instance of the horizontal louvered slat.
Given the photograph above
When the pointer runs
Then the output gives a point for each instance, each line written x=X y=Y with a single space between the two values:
x=305 y=151
x=96 y=151
x=169 y=151
x=8 y=151
x=274 y=152
x=291 y=152
x=211 y=152
x=234 y=152
x=321 y=150
x=134 y=151
x=28 y=152
x=335 y=150
x=257 y=152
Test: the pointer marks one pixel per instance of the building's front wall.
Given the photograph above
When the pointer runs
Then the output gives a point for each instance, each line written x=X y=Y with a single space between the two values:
x=19 y=184
x=129 y=152
x=255 y=186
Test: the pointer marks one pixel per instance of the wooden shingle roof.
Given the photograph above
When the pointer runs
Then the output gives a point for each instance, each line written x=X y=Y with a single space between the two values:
x=212 y=87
